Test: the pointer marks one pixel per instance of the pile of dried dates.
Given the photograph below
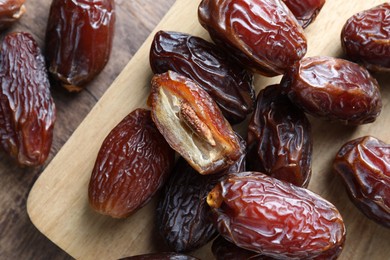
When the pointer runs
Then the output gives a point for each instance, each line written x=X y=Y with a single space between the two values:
x=248 y=191
x=27 y=109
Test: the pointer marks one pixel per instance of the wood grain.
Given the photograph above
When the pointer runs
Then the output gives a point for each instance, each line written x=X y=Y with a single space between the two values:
x=58 y=204
x=19 y=239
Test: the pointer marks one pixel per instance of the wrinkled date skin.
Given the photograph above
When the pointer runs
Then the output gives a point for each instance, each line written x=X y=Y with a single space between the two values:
x=305 y=10
x=79 y=39
x=224 y=250
x=262 y=34
x=364 y=165
x=280 y=141
x=365 y=38
x=182 y=215
x=132 y=164
x=10 y=12
x=334 y=89
x=227 y=83
x=28 y=112
x=276 y=218
x=161 y=256
x=192 y=123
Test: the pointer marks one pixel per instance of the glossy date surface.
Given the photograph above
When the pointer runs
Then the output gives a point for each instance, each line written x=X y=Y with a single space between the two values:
x=365 y=37
x=305 y=10
x=133 y=162
x=227 y=83
x=364 y=165
x=262 y=34
x=334 y=89
x=280 y=141
x=79 y=39
x=192 y=123
x=10 y=12
x=161 y=256
x=28 y=112
x=276 y=218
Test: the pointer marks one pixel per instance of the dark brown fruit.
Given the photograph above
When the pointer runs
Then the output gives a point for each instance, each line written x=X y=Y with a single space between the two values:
x=262 y=34
x=192 y=123
x=183 y=216
x=333 y=89
x=79 y=39
x=132 y=164
x=365 y=37
x=27 y=113
x=364 y=165
x=227 y=83
x=10 y=12
x=276 y=218
x=280 y=142
x=305 y=10
x=160 y=256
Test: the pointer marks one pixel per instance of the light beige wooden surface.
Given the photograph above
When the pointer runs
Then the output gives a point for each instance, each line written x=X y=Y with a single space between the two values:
x=58 y=206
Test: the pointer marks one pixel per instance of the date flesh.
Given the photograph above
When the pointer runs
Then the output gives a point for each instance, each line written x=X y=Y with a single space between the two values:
x=263 y=35
x=10 y=12
x=182 y=215
x=364 y=165
x=161 y=256
x=27 y=113
x=132 y=164
x=334 y=89
x=79 y=39
x=192 y=123
x=365 y=37
x=305 y=10
x=279 y=138
x=275 y=218
x=227 y=83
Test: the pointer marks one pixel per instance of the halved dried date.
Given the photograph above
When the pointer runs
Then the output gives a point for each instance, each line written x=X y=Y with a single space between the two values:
x=10 y=12
x=334 y=89
x=365 y=37
x=160 y=256
x=192 y=123
x=305 y=10
x=227 y=83
x=364 y=165
x=279 y=138
x=262 y=34
x=132 y=164
x=79 y=37
x=27 y=113
x=182 y=215
x=276 y=218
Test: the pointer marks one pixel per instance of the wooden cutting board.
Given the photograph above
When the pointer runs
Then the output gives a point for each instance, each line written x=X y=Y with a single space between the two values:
x=58 y=205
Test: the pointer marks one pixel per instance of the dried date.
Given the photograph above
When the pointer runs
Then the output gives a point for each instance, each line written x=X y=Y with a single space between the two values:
x=182 y=215
x=227 y=83
x=27 y=113
x=334 y=89
x=275 y=218
x=192 y=123
x=364 y=164
x=10 y=12
x=160 y=256
x=132 y=164
x=79 y=37
x=305 y=10
x=279 y=138
x=365 y=37
x=262 y=34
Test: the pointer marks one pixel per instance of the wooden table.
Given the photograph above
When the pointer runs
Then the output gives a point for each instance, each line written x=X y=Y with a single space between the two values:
x=19 y=239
